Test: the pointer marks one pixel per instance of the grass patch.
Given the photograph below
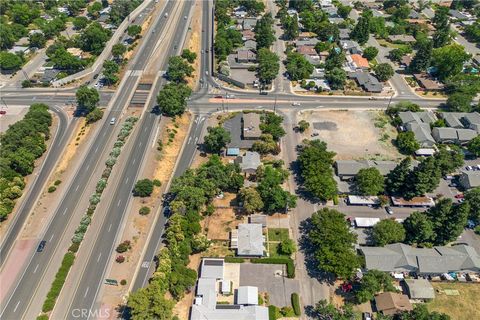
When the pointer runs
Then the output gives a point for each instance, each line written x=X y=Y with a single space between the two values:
x=385 y=43
x=461 y=307
x=274 y=250
x=277 y=234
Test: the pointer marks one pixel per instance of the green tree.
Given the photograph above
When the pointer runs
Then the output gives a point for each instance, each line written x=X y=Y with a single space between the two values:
x=134 y=30
x=333 y=241
x=274 y=198
x=419 y=229
x=80 y=23
x=374 y=282
x=459 y=102
x=327 y=31
x=87 y=98
x=335 y=59
x=268 y=65
x=23 y=13
x=110 y=70
x=252 y=202
x=65 y=60
x=93 y=38
x=369 y=182
x=474 y=146
x=343 y=11
x=449 y=60
x=150 y=303
x=178 y=69
x=7 y=37
x=448 y=220
x=448 y=160
x=264 y=34
x=271 y=123
x=143 y=188
x=216 y=139
x=316 y=170
x=95 y=115
x=406 y=142
x=290 y=25
x=388 y=231
x=118 y=50
x=172 y=99
x=298 y=67
x=287 y=247
x=420 y=312
x=361 y=32
x=303 y=125
x=423 y=178
x=325 y=311
x=421 y=60
x=37 y=40
x=472 y=198
x=370 y=53
x=189 y=55
x=336 y=78
x=384 y=71
x=397 y=178
x=10 y=61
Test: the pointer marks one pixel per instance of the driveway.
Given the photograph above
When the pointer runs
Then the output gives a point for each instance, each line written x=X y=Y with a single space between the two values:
x=266 y=277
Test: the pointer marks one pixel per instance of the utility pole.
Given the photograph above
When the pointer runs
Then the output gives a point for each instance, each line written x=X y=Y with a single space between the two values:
x=275 y=105
x=390 y=101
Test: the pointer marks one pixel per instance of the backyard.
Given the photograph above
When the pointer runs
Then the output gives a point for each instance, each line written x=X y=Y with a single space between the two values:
x=458 y=307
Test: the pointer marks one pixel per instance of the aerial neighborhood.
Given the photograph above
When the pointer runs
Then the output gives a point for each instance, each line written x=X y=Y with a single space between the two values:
x=240 y=159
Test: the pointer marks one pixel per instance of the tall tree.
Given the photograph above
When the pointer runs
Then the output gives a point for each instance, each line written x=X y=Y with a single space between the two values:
x=264 y=34
x=87 y=98
x=384 y=71
x=361 y=31
x=373 y=282
x=419 y=229
x=388 y=231
x=298 y=67
x=336 y=78
x=216 y=139
x=172 y=99
x=268 y=65
x=369 y=182
x=251 y=199
x=397 y=178
x=448 y=220
x=424 y=178
x=472 y=198
x=449 y=60
x=290 y=27
x=178 y=69
x=421 y=60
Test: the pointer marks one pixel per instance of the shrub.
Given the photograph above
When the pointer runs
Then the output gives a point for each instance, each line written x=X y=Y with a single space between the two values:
x=85 y=220
x=120 y=259
x=123 y=282
x=296 y=304
x=106 y=173
x=234 y=260
x=94 y=115
x=52 y=189
x=42 y=316
x=157 y=183
x=77 y=237
x=143 y=188
x=118 y=144
x=115 y=152
x=260 y=300
x=101 y=185
x=81 y=229
x=124 y=246
x=94 y=199
x=273 y=313
x=74 y=247
x=57 y=284
x=477 y=229
x=57 y=182
x=144 y=211
x=110 y=162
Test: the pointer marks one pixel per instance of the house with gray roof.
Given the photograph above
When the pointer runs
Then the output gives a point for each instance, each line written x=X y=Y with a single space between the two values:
x=351 y=46
x=348 y=169
x=251 y=126
x=246 y=56
x=469 y=179
x=419 y=124
x=344 y=34
x=247 y=23
x=206 y=307
x=458 y=15
x=248 y=240
x=249 y=162
x=399 y=257
x=306 y=42
x=367 y=81
x=419 y=289
x=453 y=135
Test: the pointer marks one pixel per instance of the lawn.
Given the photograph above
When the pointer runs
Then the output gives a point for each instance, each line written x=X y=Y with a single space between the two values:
x=273 y=250
x=463 y=306
x=385 y=43
x=277 y=234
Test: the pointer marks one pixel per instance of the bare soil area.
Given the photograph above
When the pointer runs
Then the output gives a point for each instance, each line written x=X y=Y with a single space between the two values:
x=194 y=42
x=353 y=134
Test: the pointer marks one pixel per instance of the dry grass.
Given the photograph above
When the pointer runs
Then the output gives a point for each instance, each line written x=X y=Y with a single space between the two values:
x=461 y=307
x=182 y=308
x=194 y=42
x=81 y=134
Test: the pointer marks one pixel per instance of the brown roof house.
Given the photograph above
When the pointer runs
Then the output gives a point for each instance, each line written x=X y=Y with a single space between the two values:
x=390 y=303
x=251 y=126
x=428 y=83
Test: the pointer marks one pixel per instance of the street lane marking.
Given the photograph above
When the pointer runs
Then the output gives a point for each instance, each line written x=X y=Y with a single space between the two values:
x=87 y=167
x=51 y=238
x=86 y=291
x=118 y=203
x=35 y=271
x=98 y=259
x=16 y=306
x=78 y=186
x=126 y=180
x=145 y=264
x=104 y=134
x=109 y=227
x=65 y=211
x=140 y=144
x=96 y=149
x=134 y=160
x=145 y=129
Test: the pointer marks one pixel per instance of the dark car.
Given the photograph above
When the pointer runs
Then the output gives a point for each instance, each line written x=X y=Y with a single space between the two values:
x=389 y=210
x=218 y=97
x=41 y=246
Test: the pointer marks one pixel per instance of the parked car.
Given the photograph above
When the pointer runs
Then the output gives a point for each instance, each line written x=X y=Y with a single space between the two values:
x=469 y=167
x=3 y=112
x=389 y=210
x=295 y=104
x=315 y=134
x=41 y=246
x=459 y=196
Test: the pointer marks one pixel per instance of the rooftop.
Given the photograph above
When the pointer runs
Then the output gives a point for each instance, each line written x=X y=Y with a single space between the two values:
x=250 y=240
x=419 y=289
x=251 y=125
x=390 y=303
x=250 y=161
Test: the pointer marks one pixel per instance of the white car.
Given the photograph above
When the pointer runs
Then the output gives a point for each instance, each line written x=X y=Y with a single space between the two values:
x=113 y=120
x=295 y=104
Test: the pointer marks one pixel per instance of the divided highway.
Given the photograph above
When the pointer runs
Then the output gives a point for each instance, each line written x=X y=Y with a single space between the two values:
x=18 y=301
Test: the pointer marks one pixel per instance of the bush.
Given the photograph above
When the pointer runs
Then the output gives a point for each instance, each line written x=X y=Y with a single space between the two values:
x=115 y=152
x=42 y=317
x=106 y=173
x=477 y=229
x=77 y=238
x=234 y=260
x=57 y=284
x=57 y=182
x=143 y=188
x=157 y=183
x=74 y=247
x=27 y=84
x=144 y=211
x=110 y=162
x=94 y=199
x=296 y=304
x=286 y=261
x=123 y=282
x=120 y=259
x=118 y=144
x=52 y=189
x=101 y=185
x=94 y=115
x=273 y=313
x=124 y=246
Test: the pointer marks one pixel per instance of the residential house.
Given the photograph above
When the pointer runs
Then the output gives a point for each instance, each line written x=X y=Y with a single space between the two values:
x=391 y=303
x=348 y=169
x=318 y=73
x=319 y=83
x=251 y=126
x=249 y=162
x=403 y=38
x=247 y=23
x=419 y=124
x=306 y=42
x=462 y=120
x=21 y=49
x=258 y=218
x=336 y=20
x=419 y=289
x=357 y=62
x=458 y=15
x=427 y=82
x=240 y=12
x=291 y=12
x=367 y=81
x=250 y=45
x=206 y=306
x=309 y=53
x=49 y=75
x=469 y=179
x=453 y=135
x=326 y=3
x=35 y=31
x=248 y=35
x=237 y=128
x=414 y=14
x=246 y=56
x=351 y=46
x=399 y=257
x=248 y=240
x=344 y=34
x=406 y=61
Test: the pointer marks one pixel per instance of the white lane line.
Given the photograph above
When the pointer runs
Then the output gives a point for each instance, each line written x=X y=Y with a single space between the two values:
x=35 y=271
x=51 y=238
x=109 y=227
x=78 y=186
x=155 y=137
x=87 y=167
x=104 y=134
x=16 y=306
x=96 y=149
x=134 y=160
x=98 y=259
x=140 y=144
x=118 y=203
x=86 y=291
x=126 y=180
x=65 y=211
x=189 y=140
x=145 y=129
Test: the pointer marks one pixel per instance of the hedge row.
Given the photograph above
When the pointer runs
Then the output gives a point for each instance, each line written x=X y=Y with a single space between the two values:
x=296 y=304
x=57 y=284
x=84 y=223
x=286 y=261
x=272 y=313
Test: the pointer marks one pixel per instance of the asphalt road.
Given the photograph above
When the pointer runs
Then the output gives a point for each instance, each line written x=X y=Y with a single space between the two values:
x=93 y=276
x=60 y=140
x=19 y=301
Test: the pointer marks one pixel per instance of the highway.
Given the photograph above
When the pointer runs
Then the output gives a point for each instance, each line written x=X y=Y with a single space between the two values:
x=58 y=144
x=20 y=299
x=89 y=286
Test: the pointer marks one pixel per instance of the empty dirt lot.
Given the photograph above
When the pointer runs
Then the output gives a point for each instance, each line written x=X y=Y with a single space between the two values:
x=353 y=134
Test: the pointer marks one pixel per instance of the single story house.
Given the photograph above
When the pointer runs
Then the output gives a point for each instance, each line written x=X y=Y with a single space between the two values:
x=404 y=38
x=247 y=295
x=237 y=129
x=348 y=169
x=390 y=303
x=21 y=49
x=318 y=73
x=356 y=61
x=469 y=179
x=308 y=50
x=406 y=61
x=351 y=46
x=458 y=15
x=461 y=120
x=306 y=42
x=247 y=23
x=367 y=81
x=399 y=257
x=250 y=45
x=319 y=83
x=248 y=240
x=248 y=35
x=419 y=202
x=419 y=124
x=249 y=162
x=344 y=34
x=419 y=289
x=251 y=126
x=258 y=218
x=49 y=75
x=246 y=56
x=427 y=82
x=453 y=135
